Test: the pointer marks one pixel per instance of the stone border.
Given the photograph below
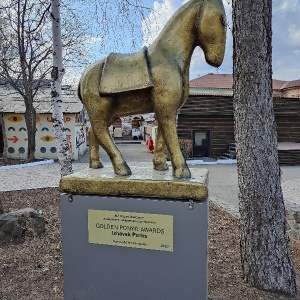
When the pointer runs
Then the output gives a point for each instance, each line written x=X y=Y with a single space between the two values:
x=36 y=163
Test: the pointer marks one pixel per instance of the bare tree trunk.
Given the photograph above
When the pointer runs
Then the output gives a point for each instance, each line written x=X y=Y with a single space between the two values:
x=4 y=152
x=30 y=117
x=265 y=249
x=4 y=139
x=57 y=73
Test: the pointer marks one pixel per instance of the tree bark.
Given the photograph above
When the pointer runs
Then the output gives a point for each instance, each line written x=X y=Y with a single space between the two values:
x=2 y=124
x=265 y=249
x=64 y=157
x=30 y=117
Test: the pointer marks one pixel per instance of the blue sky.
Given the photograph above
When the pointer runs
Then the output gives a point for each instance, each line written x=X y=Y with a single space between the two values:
x=286 y=38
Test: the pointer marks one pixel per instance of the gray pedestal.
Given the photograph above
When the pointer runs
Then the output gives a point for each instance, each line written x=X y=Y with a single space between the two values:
x=96 y=271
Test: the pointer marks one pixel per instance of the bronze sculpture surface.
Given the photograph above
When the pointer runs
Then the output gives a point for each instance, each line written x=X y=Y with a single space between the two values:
x=158 y=80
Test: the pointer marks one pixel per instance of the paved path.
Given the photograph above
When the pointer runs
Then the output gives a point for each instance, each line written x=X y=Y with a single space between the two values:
x=223 y=184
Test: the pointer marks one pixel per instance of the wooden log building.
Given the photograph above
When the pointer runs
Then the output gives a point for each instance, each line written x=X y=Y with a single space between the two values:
x=207 y=117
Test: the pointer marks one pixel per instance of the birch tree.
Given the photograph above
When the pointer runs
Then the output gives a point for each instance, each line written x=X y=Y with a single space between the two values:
x=265 y=249
x=57 y=73
x=2 y=125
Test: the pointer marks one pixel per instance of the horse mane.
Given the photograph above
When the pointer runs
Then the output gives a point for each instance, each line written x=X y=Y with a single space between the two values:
x=173 y=21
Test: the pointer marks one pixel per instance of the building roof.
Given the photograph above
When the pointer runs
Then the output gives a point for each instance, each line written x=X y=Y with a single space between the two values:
x=279 y=84
x=222 y=84
x=212 y=85
x=12 y=102
x=293 y=84
x=219 y=81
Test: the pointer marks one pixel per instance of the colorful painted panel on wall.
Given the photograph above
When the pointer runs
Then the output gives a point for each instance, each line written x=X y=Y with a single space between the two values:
x=45 y=135
x=16 y=135
x=45 y=141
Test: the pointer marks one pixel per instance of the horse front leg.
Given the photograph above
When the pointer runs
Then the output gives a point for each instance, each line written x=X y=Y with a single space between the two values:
x=94 y=157
x=167 y=124
x=159 y=159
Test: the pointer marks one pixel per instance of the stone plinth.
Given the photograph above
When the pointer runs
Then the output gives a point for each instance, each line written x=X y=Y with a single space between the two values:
x=144 y=182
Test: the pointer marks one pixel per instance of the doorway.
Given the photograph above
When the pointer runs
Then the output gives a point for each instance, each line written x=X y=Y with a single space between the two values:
x=201 y=141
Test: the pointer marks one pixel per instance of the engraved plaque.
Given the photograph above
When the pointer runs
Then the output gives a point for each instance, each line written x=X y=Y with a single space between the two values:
x=129 y=229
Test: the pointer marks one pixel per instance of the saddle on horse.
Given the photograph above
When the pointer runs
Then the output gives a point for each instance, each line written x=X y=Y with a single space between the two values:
x=125 y=73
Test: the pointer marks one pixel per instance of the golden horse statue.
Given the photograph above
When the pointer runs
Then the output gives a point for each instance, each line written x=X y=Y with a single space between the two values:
x=157 y=81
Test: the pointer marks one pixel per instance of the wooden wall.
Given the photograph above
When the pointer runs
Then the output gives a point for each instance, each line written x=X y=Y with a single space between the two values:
x=207 y=106
x=215 y=113
x=288 y=107
x=288 y=129
x=221 y=131
x=289 y=157
x=287 y=116
x=208 y=113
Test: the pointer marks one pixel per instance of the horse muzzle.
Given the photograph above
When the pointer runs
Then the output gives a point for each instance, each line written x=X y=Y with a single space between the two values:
x=215 y=60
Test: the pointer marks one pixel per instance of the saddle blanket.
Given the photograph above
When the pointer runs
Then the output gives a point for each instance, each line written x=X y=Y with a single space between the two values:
x=125 y=73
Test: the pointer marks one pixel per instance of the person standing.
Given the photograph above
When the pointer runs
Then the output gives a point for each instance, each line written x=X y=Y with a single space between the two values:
x=150 y=144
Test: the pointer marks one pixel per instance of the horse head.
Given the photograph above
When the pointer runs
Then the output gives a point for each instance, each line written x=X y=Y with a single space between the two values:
x=211 y=31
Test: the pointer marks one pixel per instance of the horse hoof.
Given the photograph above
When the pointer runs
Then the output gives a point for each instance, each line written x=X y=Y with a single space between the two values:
x=96 y=164
x=160 y=163
x=183 y=173
x=122 y=170
x=161 y=167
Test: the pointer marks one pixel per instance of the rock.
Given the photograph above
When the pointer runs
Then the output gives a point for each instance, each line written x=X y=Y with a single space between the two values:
x=2 y=235
x=8 y=226
x=17 y=231
x=16 y=223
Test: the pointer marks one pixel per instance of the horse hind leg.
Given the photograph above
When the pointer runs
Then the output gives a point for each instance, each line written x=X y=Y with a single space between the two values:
x=104 y=139
x=94 y=157
x=168 y=127
x=159 y=159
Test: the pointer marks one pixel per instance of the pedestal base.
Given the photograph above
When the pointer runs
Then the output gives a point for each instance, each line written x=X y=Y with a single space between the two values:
x=99 y=271
x=144 y=182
